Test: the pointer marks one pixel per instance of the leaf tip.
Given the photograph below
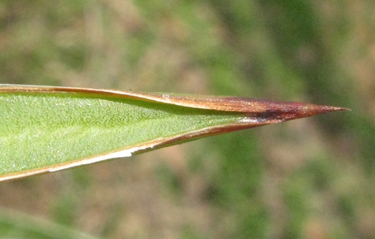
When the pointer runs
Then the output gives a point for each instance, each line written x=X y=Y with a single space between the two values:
x=320 y=109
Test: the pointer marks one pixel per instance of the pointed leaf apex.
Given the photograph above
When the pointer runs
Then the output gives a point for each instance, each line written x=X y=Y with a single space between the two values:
x=310 y=110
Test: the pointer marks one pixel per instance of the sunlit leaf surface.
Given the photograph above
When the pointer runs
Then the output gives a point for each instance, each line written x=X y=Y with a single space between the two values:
x=44 y=129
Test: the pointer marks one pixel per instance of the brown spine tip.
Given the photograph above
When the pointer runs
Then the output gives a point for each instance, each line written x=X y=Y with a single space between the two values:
x=334 y=108
x=311 y=110
x=274 y=112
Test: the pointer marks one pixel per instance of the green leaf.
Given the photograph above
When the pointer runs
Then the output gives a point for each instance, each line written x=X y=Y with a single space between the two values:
x=44 y=129
x=14 y=224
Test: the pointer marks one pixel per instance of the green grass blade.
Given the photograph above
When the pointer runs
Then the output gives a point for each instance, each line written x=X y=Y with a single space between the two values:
x=44 y=129
x=14 y=224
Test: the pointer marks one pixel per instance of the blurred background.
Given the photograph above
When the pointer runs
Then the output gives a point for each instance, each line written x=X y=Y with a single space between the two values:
x=310 y=178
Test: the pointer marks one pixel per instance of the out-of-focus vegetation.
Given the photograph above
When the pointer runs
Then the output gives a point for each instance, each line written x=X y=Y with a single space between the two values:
x=310 y=178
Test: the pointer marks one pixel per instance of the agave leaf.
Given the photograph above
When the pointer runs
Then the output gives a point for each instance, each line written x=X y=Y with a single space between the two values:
x=44 y=129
